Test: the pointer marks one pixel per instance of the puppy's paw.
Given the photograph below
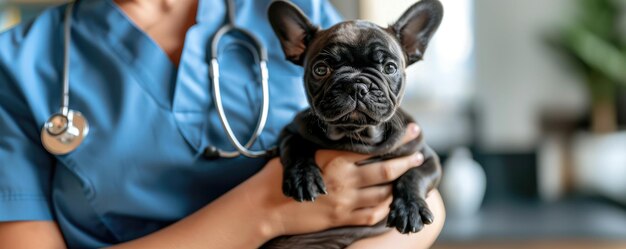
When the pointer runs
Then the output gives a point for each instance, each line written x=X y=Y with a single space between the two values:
x=303 y=181
x=408 y=215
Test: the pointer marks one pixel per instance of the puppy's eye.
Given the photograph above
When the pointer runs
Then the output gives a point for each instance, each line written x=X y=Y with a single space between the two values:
x=320 y=69
x=390 y=68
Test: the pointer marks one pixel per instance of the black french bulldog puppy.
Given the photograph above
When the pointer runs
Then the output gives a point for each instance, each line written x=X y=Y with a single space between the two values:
x=354 y=79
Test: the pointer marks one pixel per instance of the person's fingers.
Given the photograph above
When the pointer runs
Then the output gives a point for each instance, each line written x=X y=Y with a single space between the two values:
x=412 y=132
x=387 y=171
x=372 y=196
x=324 y=157
x=370 y=216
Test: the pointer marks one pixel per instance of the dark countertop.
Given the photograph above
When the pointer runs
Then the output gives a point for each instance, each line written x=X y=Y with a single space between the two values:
x=578 y=218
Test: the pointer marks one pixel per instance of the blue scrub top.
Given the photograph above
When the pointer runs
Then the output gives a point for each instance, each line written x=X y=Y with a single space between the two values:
x=140 y=168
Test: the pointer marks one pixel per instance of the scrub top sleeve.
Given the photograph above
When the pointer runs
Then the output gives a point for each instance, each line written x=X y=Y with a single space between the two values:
x=330 y=15
x=25 y=167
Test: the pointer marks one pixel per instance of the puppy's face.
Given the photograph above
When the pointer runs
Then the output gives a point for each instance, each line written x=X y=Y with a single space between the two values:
x=354 y=74
x=354 y=71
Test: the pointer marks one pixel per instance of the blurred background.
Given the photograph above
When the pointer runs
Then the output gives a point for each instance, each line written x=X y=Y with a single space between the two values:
x=525 y=101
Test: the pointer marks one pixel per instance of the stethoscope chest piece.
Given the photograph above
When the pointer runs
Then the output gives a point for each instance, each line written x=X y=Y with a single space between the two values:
x=62 y=134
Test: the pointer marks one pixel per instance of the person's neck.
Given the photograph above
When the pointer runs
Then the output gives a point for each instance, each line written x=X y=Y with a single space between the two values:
x=165 y=21
x=157 y=5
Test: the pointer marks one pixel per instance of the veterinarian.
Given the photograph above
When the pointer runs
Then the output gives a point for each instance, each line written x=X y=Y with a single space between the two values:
x=139 y=74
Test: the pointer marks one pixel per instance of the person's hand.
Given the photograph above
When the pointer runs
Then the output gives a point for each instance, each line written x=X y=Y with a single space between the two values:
x=357 y=195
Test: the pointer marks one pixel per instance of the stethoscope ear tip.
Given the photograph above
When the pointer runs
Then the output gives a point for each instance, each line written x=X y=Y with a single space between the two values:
x=211 y=153
x=271 y=153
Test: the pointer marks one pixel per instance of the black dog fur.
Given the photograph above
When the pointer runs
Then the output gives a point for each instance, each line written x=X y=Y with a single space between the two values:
x=354 y=78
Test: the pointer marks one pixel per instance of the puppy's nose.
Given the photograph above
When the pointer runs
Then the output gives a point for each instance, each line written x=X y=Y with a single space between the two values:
x=360 y=89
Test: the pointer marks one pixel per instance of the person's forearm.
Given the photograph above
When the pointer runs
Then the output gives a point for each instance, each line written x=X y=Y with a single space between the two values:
x=423 y=239
x=235 y=220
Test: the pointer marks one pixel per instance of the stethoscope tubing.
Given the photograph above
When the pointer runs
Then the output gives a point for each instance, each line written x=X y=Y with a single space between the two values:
x=261 y=57
x=65 y=94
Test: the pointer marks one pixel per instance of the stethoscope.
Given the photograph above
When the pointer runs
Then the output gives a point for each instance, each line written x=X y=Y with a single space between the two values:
x=64 y=131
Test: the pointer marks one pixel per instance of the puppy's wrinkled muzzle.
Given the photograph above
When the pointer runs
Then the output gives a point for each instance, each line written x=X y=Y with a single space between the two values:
x=355 y=99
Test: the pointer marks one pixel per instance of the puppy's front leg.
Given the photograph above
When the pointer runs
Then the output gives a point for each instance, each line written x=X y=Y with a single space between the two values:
x=302 y=178
x=409 y=211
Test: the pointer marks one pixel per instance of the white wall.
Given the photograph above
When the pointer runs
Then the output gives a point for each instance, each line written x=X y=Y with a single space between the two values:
x=517 y=75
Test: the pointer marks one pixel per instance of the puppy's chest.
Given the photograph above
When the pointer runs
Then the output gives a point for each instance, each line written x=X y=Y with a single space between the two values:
x=370 y=135
x=373 y=140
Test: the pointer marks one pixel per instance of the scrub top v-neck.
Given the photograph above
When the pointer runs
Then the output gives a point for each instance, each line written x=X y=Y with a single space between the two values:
x=140 y=168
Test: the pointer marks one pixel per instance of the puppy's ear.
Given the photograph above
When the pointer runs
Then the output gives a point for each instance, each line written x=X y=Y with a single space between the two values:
x=293 y=28
x=416 y=26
